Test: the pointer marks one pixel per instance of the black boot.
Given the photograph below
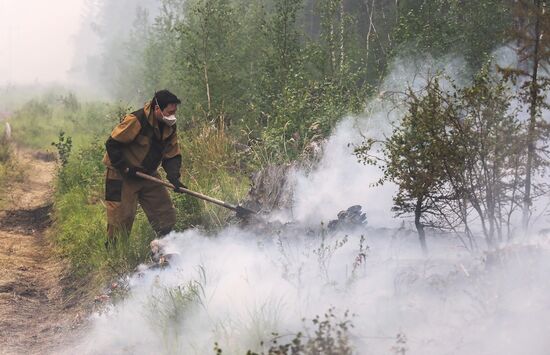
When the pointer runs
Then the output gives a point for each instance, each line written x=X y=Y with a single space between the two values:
x=161 y=233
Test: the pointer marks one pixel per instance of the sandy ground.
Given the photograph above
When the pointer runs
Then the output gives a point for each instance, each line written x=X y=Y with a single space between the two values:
x=35 y=316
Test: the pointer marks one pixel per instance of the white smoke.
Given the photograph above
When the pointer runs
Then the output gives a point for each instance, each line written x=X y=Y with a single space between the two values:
x=238 y=288
x=246 y=288
x=339 y=181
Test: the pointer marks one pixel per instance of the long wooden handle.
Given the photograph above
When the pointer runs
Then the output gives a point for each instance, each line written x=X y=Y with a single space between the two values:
x=189 y=192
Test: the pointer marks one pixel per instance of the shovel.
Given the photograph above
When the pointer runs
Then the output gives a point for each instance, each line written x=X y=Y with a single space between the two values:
x=242 y=212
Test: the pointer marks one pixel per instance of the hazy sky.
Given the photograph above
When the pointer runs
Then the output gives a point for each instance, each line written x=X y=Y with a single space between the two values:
x=37 y=39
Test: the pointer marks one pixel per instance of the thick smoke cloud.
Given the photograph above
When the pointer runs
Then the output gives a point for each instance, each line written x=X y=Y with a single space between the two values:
x=248 y=288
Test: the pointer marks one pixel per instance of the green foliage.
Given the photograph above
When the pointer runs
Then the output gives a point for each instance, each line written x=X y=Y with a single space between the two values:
x=531 y=75
x=331 y=336
x=63 y=146
x=211 y=166
x=306 y=87
x=306 y=113
x=278 y=75
x=493 y=142
x=70 y=101
x=251 y=71
x=472 y=28
x=258 y=69
x=457 y=153
x=85 y=168
x=419 y=150
x=206 y=38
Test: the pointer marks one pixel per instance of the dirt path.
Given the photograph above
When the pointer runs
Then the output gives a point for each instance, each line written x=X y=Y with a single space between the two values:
x=33 y=314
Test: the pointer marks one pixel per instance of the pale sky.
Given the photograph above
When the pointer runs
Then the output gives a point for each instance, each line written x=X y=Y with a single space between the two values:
x=37 y=39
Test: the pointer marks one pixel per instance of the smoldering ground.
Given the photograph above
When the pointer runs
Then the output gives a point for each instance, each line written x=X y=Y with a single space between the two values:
x=241 y=290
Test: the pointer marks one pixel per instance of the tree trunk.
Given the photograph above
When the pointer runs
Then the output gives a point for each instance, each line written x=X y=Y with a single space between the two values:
x=531 y=137
x=370 y=13
x=205 y=63
x=332 y=43
x=420 y=226
x=207 y=84
x=342 y=35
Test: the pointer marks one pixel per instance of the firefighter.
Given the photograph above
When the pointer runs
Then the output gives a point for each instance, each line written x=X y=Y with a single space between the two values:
x=141 y=142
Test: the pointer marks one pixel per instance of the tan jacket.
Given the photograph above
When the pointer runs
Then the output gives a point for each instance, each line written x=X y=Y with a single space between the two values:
x=140 y=141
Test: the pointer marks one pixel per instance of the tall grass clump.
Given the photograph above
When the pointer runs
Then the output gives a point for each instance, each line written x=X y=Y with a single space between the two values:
x=170 y=308
x=213 y=166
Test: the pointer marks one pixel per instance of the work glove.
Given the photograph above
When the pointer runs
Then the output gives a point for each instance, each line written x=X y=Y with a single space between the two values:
x=177 y=184
x=131 y=172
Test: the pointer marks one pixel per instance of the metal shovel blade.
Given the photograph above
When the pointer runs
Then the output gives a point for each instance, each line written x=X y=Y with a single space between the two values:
x=243 y=212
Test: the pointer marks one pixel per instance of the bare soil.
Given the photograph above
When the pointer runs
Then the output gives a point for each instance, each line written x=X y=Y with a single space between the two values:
x=35 y=313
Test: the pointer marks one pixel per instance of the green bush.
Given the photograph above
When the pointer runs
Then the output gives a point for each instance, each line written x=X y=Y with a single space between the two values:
x=306 y=112
x=64 y=146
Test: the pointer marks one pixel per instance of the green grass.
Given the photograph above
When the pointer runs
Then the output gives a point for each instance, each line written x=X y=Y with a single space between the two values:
x=212 y=166
x=38 y=122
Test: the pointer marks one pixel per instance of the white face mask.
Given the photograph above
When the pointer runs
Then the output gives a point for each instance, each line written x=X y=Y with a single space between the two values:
x=169 y=120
